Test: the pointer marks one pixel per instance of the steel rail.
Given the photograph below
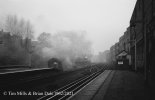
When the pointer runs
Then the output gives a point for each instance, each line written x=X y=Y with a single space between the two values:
x=64 y=97
x=74 y=87
x=66 y=86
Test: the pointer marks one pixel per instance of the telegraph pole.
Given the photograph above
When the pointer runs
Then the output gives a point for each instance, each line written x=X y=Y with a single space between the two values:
x=145 y=43
x=135 y=55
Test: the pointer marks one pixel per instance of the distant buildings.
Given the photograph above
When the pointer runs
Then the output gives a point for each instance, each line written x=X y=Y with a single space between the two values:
x=102 y=57
x=139 y=40
x=121 y=49
x=14 y=50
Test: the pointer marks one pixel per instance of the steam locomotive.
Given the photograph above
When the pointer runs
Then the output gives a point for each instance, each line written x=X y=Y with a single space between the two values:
x=82 y=61
x=55 y=64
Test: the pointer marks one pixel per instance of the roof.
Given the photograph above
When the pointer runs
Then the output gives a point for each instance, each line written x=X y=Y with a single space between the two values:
x=123 y=53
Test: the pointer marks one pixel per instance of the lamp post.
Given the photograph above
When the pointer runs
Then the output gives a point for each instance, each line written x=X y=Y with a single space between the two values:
x=29 y=51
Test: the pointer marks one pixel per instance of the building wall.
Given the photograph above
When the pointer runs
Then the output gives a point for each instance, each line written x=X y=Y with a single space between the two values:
x=136 y=24
x=112 y=54
x=124 y=41
x=142 y=23
x=149 y=30
x=121 y=46
x=145 y=36
x=117 y=48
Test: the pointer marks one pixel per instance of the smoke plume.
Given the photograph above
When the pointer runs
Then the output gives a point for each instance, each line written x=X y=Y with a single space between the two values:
x=67 y=46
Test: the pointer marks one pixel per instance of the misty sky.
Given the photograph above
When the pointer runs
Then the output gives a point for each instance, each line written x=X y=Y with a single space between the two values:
x=103 y=20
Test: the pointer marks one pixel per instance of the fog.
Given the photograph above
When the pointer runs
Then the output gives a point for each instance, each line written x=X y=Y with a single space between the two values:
x=67 y=46
x=104 y=20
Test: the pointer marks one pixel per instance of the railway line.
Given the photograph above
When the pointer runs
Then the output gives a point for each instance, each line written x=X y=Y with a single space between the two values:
x=71 y=89
x=63 y=85
x=19 y=78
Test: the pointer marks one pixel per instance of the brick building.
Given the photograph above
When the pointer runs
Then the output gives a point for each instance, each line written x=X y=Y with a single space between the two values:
x=140 y=37
x=142 y=25
x=112 y=54
x=136 y=25
x=124 y=47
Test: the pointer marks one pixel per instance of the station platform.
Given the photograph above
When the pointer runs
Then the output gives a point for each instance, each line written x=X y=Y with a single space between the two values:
x=115 y=85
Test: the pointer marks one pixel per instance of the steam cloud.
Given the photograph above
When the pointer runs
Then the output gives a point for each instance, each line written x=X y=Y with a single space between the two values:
x=66 y=46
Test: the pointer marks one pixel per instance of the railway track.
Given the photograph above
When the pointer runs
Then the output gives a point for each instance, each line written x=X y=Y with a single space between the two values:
x=71 y=89
x=26 y=79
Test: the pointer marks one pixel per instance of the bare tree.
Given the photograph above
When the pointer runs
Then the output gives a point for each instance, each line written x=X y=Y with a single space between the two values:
x=11 y=24
x=28 y=30
x=44 y=39
x=19 y=27
x=1 y=24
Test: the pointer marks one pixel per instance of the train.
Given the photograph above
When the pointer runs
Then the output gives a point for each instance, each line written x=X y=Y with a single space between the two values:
x=82 y=61
x=55 y=64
